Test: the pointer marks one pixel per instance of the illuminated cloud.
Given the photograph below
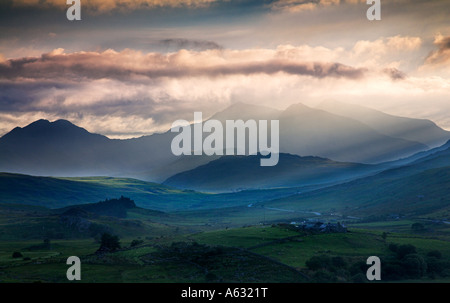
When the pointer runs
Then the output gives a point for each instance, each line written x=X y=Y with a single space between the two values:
x=134 y=67
x=109 y=5
x=441 y=56
x=127 y=64
x=296 y=6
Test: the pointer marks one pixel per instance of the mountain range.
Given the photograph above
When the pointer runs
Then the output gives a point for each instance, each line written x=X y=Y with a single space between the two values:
x=416 y=189
x=63 y=149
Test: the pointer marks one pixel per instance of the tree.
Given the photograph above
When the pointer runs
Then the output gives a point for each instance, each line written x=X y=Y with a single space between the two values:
x=136 y=242
x=414 y=266
x=404 y=250
x=17 y=254
x=435 y=253
x=318 y=262
x=393 y=247
x=109 y=242
x=384 y=236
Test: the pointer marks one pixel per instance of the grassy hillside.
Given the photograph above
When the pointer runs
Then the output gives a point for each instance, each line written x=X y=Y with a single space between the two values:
x=423 y=194
x=59 y=192
x=252 y=254
x=243 y=172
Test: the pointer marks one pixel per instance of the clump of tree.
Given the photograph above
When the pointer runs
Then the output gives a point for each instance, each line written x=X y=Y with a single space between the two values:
x=17 y=254
x=136 y=242
x=109 y=243
x=328 y=268
x=403 y=262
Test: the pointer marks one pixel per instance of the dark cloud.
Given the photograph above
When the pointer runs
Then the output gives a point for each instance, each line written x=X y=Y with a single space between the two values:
x=23 y=96
x=442 y=54
x=394 y=73
x=198 y=45
x=128 y=64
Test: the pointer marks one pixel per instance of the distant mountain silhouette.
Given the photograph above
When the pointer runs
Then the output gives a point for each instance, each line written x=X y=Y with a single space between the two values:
x=62 y=149
x=308 y=131
x=244 y=172
x=418 y=130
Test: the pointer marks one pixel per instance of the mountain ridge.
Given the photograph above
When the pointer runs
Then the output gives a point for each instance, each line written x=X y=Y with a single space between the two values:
x=62 y=149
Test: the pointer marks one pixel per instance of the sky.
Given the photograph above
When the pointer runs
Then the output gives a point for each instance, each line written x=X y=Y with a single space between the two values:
x=132 y=67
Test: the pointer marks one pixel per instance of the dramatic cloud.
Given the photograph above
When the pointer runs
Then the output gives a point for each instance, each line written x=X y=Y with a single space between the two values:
x=132 y=67
x=134 y=92
x=198 y=45
x=295 y=6
x=109 y=5
x=441 y=56
x=129 y=63
x=301 y=5
x=394 y=73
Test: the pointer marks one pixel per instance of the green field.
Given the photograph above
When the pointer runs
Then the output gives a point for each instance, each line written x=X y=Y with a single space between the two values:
x=249 y=254
x=235 y=237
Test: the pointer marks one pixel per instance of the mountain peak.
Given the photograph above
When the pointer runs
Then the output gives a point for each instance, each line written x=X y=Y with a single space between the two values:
x=246 y=111
x=62 y=122
x=43 y=129
x=298 y=108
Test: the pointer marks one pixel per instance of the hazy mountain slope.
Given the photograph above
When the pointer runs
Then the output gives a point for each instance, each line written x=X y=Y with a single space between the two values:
x=420 y=156
x=56 y=193
x=60 y=192
x=243 y=172
x=62 y=149
x=419 y=188
x=308 y=131
x=419 y=130
x=246 y=112
x=421 y=194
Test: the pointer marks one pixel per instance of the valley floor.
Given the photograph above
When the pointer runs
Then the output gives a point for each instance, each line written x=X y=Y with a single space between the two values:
x=264 y=253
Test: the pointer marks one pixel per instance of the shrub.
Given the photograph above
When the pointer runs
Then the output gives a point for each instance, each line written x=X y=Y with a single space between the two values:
x=405 y=249
x=393 y=247
x=359 y=267
x=109 y=242
x=17 y=254
x=136 y=242
x=435 y=253
x=319 y=262
x=414 y=266
x=338 y=262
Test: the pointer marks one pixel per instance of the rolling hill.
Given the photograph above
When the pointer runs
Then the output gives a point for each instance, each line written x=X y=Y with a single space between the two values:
x=59 y=192
x=55 y=193
x=417 y=189
x=231 y=173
